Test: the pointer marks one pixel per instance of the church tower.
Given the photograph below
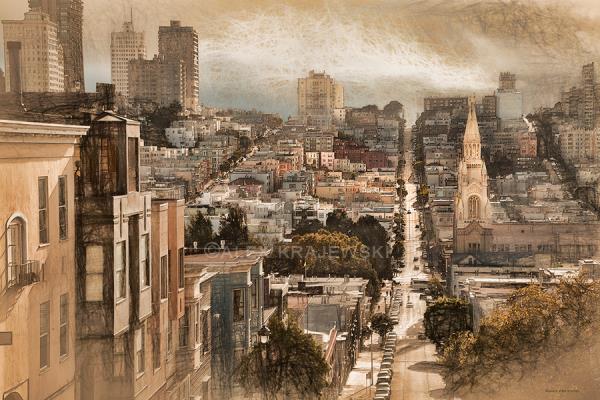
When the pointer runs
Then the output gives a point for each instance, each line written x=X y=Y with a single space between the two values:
x=472 y=203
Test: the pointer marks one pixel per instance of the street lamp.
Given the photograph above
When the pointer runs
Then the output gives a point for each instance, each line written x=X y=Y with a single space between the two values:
x=263 y=334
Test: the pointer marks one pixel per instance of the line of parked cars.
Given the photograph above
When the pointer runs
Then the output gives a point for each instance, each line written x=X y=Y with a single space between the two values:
x=386 y=371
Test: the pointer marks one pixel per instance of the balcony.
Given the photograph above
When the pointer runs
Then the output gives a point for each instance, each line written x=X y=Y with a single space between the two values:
x=23 y=274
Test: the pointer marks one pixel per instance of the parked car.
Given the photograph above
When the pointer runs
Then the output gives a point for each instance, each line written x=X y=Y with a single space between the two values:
x=409 y=305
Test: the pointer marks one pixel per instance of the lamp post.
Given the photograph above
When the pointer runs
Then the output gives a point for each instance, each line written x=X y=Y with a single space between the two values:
x=264 y=333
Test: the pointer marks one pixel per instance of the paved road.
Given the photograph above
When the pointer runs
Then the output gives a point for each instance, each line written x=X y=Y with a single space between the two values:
x=415 y=374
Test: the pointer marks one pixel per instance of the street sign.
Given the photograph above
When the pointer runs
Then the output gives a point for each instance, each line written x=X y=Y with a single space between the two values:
x=5 y=338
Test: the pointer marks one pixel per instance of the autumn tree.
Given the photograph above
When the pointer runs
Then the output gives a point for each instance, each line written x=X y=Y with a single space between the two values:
x=199 y=231
x=291 y=363
x=535 y=328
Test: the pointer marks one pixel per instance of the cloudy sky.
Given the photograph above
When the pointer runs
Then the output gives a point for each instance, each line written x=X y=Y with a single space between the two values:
x=251 y=52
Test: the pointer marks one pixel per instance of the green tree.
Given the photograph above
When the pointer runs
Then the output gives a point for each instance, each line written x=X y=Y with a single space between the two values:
x=445 y=317
x=233 y=228
x=382 y=324
x=308 y=226
x=291 y=361
x=374 y=236
x=199 y=230
x=338 y=221
x=436 y=288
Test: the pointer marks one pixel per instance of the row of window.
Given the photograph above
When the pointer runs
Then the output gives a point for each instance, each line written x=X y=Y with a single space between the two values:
x=45 y=331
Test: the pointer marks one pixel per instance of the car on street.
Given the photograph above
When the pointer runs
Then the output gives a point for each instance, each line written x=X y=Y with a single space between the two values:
x=409 y=305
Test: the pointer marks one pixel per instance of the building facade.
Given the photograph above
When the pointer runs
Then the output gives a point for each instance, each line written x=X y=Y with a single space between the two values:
x=68 y=16
x=125 y=46
x=318 y=98
x=160 y=80
x=176 y=42
x=33 y=54
x=37 y=289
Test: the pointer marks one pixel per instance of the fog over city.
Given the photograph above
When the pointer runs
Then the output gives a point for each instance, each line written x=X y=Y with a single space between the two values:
x=251 y=53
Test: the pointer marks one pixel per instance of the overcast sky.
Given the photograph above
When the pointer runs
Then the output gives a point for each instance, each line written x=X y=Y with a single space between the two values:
x=251 y=51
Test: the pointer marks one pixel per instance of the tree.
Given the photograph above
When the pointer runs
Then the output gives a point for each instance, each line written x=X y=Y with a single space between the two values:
x=382 y=324
x=290 y=359
x=373 y=235
x=338 y=221
x=435 y=287
x=546 y=334
x=233 y=228
x=445 y=317
x=199 y=230
x=307 y=225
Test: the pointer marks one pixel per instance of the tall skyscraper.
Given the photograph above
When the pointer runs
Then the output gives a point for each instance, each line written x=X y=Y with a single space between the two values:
x=125 y=46
x=33 y=55
x=318 y=96
x=68 y=15
x=176 y=42
x=588 y=81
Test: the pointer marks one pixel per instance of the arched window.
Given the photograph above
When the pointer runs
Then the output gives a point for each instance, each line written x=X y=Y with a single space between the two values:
x=474 y=207
x=16 y=247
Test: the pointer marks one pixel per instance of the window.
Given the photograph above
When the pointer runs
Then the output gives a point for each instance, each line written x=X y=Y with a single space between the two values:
x=120 y=272
x=197 y=324
x=181 y=278
x=63 y=222
x=164 y=277
x=44 y=335
x=254 y=295
x=238 y=305
x=43 y=208
x=132 y=167
x=64 y=325
x=474 y=207
x=141 y=350
x=156 y=351
x=145 y=261
x=183 y=329
x=169 y=336
x=119 y=356
x=15 y=246
x=205 y=342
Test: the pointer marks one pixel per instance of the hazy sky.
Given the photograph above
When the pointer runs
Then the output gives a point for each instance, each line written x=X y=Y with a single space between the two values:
x=251 y=52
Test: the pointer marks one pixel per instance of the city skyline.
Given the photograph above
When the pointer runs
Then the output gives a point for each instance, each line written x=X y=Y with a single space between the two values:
x=263 y=45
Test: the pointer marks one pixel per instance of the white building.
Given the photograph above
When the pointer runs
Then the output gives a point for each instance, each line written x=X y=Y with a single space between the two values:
x=182 y=137
x=124 y=46
x=33 y=55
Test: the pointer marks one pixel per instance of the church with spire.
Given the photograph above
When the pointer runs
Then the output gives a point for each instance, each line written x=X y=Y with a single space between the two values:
x=479 y=238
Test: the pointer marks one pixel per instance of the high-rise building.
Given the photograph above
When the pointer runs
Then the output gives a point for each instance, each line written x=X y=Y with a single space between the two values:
x=125 y=46
x=318 y=96
x=160 y=80
x=37 y=289
x=68 y=16
x=509 y=100
x=33 y=55
x=180 y=43
x=588 y=83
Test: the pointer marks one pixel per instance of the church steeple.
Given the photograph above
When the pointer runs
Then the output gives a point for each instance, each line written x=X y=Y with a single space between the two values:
x=472 y=203
x=472 y=139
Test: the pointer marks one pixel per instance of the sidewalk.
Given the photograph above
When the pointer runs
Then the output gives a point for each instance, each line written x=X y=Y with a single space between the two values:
x=357 y=384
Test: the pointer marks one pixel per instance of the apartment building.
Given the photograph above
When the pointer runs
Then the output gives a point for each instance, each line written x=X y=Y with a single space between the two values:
x=37 y=270
x=176 y=42
x=33 y=55
x=318 y=98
